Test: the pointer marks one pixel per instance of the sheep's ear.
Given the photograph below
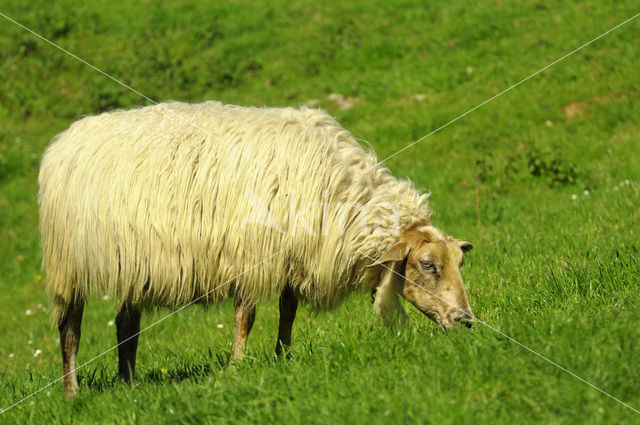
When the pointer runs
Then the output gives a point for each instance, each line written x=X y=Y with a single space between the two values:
x=397 y=252
x=465 y=246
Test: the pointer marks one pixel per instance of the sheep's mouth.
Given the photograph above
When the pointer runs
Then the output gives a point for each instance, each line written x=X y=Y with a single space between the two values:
x=431 y=314
x=446 y=325
x=438 y=318
x=452 y=325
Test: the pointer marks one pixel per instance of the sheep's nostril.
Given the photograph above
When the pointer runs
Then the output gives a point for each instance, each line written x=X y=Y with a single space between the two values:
x=467 y=324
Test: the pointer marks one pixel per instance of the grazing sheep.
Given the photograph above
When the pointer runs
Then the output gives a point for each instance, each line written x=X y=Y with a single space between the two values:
x=174 y=203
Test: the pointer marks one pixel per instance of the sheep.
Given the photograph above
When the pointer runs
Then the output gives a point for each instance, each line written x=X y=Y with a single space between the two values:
x=169 y=204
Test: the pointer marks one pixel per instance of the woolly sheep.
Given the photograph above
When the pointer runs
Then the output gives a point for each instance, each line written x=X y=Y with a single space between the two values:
x=174 y=203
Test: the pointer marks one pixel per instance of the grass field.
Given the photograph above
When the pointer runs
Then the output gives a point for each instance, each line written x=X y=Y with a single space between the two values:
x=556 y=263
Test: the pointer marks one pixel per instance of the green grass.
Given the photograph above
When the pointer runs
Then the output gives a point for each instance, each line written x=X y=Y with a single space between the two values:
x=560 y=275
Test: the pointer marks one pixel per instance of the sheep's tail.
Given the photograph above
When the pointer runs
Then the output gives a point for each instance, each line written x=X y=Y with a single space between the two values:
x=63 y=286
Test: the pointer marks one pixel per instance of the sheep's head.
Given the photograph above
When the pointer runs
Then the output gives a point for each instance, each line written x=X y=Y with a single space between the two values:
x=424 y=267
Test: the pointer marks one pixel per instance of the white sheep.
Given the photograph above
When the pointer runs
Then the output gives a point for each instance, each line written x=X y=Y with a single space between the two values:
x=171 y=203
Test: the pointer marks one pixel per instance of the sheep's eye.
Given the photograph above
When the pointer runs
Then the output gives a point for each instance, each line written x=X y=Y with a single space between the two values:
x=430 y=267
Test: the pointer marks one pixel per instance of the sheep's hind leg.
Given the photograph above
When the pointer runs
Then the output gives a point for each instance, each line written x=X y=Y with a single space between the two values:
x=288 y=307
x=128 y=329
x=69 y=328
x=243 y=316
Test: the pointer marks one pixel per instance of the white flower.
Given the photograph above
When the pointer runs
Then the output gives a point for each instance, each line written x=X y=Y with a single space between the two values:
x=11 y=355
x=105 y=297
x=220 y=326
x=110 y=323
x=586 y=193
x=574 y=196
x=37 y=352
x=29 y=312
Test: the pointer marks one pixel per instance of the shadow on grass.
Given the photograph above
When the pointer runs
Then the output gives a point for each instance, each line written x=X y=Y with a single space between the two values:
x=102 y=379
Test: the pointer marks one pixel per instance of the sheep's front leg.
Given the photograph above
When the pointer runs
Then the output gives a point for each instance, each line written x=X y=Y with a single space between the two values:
x=288 y=307
x=386 y=303
x=243 y=316
x=128 y=329
x=69 y=328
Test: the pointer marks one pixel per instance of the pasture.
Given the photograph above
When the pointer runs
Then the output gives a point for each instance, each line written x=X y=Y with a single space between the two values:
x=544 y=180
